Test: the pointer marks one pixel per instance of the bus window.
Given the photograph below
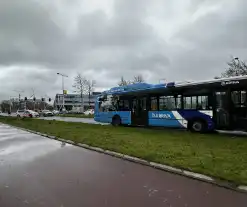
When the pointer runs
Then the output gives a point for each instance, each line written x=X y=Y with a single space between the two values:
x=123 y=105
x=193 y=102
x=167 y=103
x=190 y=102
x=162 y=103
x=109 y=103
x=126 y=105
x=171 y=103
x=154 y=104
x=202 y=102
x=134 y=105
x=187 y=102
x=239 y=98
x=178 y=102
x=120 y=105
x=143 y=104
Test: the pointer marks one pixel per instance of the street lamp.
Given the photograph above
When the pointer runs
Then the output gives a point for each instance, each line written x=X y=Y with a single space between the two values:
x=236 y=69
x=63 y=75
x=19 y=93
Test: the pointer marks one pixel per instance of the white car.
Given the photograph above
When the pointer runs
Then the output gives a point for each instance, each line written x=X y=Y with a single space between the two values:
x=27 y=113
x=20 y=113
x=47 y=113
x=89 y=112
x=55 y=112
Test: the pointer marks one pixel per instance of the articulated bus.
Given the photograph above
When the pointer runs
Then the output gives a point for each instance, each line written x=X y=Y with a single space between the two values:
x=218 y=104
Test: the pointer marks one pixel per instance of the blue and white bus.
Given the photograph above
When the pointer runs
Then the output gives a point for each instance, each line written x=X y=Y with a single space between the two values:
x=197 y=106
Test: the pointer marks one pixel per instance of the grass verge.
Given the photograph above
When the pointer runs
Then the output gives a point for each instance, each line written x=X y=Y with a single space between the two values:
x=76 y=115
x=223 y=157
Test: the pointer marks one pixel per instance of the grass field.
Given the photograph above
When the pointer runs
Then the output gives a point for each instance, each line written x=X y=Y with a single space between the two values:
x=77 y=115
x=224 y=157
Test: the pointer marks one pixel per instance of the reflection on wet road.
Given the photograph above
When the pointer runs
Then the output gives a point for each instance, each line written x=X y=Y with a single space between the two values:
x=37 y=171
x=72 y=119
x=67 y=119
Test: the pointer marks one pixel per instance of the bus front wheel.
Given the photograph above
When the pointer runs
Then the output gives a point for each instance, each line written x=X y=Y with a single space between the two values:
x=116 y=121
x=197 y=126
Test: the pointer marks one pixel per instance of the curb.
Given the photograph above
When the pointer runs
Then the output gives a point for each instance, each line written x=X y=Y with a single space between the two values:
x=193 y=175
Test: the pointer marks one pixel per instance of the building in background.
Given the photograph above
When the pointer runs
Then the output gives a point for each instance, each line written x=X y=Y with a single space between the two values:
x=74 y=100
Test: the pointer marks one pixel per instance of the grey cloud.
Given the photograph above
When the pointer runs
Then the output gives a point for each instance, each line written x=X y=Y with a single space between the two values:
x=210 y=41
x=29 y=35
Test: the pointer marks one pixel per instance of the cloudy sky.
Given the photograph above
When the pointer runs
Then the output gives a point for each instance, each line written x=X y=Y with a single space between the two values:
x=105 y=39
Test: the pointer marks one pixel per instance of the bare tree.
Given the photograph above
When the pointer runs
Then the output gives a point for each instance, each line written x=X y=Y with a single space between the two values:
x=5 y=106
x=138 y=79
x=236 y=67
x=123 y=82
x=90 y=85
x=81 y=86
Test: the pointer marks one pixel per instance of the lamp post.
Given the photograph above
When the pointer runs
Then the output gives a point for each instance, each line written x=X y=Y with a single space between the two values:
x=236 y=69
x=63 y=75
x=19 y=93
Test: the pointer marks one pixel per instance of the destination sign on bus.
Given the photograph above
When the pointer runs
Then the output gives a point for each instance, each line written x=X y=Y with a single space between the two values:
x=161 y=116
x=229 y=83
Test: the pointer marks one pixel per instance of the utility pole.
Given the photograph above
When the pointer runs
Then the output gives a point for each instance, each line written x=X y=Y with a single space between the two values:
x=34 y=98
x=90 y=90
x=63 y=75
x=19 y=92
x=10 y=104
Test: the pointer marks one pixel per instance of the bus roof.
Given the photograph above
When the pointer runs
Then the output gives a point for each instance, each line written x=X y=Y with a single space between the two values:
x=220 y=80
x=145 y=87
x=137 y=87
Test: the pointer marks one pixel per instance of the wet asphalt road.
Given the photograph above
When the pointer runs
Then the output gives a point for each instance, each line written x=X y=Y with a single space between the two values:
x=37 y=171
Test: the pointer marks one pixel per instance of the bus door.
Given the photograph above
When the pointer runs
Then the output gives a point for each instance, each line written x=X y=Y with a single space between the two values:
x=222 y=115
x=139 y=112
x=239 y=109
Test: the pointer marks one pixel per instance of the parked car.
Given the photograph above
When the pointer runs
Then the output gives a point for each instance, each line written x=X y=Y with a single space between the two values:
x=89 y=112
x=55 y=112
x=47 y=113
x=20 y=113
x=27 y=113
x=63 y=112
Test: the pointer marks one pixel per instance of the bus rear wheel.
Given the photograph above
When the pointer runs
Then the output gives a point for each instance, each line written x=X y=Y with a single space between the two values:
x=116 y=121
x=197 y=126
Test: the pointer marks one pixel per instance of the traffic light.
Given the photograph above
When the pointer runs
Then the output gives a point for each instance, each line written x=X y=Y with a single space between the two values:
x=49 y=99
x=34 y=99
x=25 y=98
x=42 y=99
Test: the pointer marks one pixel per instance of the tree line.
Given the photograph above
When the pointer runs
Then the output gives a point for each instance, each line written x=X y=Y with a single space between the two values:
x=236 y=67
x=82 y=85
x=136 y=79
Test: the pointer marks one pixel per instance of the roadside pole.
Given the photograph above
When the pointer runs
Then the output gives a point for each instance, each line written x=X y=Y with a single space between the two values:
x=63 y=75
